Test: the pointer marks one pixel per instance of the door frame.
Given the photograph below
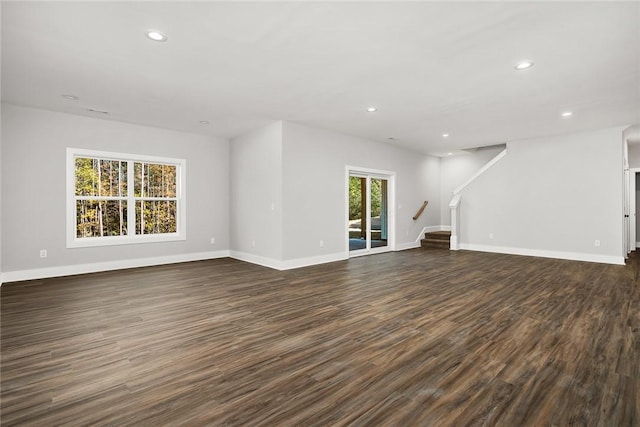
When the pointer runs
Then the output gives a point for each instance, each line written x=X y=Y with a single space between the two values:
x=626 y=245
x=390 y=176
x=632 y=236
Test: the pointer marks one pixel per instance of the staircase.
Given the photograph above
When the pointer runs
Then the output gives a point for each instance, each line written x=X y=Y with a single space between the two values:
x=436 y=240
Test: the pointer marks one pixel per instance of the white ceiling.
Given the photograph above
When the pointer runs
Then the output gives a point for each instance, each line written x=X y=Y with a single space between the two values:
x=429 y=67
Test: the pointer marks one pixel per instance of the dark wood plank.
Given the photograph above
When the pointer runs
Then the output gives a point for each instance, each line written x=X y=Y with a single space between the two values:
x=433 y=338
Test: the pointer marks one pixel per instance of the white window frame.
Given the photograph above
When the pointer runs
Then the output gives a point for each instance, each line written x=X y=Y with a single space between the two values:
x=131 y=238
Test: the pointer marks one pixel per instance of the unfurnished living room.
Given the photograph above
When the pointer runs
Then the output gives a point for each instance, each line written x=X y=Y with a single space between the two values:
x=320 y=213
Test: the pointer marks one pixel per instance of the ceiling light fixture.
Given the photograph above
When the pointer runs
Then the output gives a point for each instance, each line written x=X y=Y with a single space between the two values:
x=372 y=109
x=92 y=110
x=445 y=135
x=204 y=122
x=449 y=154
x=156 y=36
x=70 y=97
x=523 y=65
x=567 y=114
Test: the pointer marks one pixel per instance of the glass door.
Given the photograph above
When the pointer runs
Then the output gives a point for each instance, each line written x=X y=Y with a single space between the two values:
x=378 y=212
x=368 y=221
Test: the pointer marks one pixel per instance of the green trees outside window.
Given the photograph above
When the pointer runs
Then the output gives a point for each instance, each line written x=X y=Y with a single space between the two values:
x=103 y=197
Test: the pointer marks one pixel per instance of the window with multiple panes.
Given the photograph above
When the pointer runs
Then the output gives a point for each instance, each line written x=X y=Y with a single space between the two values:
x=116 y=198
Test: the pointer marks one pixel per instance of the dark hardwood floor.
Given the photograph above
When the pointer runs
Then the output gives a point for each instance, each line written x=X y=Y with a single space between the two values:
x=420 y=337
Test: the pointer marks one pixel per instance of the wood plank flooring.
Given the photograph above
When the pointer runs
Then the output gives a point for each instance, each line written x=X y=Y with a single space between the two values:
x=424 y=338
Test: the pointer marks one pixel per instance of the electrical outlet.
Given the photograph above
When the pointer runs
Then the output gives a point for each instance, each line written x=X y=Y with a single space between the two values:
x=491 y=235
x=253 y=243
x=597 y=243
x=322 y=243
x=43 y=253
x=213 y=240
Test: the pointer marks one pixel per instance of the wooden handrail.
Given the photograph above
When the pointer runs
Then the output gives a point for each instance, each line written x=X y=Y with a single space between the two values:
x=424 y=205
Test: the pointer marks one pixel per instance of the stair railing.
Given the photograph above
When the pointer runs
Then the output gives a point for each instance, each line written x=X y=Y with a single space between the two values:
x=424 y=205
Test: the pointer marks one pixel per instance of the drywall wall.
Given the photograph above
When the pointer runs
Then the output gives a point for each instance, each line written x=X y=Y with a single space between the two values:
x=314 y=189
x=34 y=146
x=634 y=155
x=550 y=197
x=0 y=194
x=637 y=207
x=456 y=170
x=256 y=195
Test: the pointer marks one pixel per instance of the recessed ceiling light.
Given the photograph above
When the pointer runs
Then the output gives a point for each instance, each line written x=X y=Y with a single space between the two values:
x=449 y=154
x=523 y=65
x=445 y=135
x=70 y=97
x=156 y=36
x=567 y=114
x=204 y=122
x=93 y=110
x=372 y=109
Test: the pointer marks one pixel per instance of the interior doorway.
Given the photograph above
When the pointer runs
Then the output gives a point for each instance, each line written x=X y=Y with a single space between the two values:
x=369 y=228
x=634 y=207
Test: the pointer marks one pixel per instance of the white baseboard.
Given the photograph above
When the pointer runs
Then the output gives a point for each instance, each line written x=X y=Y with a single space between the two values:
x=573 y=256
x=287 y=264
x=416 y=242
x=405 y=246
x=435 y=228
x=70 y=270
x=256 y=259
x=320 y=259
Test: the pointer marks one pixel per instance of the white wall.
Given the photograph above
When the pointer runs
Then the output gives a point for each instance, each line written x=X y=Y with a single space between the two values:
x=637 y=207
x=34 y=146
x=314 y=162
x=456 y=170
x=634 y=155
x=256 y=195
x=550 y=197
x=0 y=192
x=283 y=187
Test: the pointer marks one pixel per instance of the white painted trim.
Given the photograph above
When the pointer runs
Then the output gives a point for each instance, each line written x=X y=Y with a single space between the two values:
x=405 y=246
x=256 y=259
x=416 y=242
x=637 y=245
x=431 y=228
x=287 y=264
x=375 y=173
x=390 y=176
x=481 y=171
x=314 y=260
x=573 y=256
x=70 y=270
x=454 y=204
x=131 y=238
x=632 y=209
x=453 y=243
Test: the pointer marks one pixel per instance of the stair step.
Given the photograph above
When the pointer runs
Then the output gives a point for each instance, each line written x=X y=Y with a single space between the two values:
x=438 y=235
x=434 y=243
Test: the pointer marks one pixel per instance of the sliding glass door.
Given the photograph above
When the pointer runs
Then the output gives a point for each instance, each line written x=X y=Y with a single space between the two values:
x=368 y=218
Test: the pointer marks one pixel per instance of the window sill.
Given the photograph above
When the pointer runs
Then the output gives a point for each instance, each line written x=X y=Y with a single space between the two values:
x=88 y=242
